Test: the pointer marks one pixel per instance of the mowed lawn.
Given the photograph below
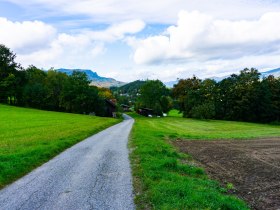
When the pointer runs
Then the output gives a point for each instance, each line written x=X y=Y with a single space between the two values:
x=30 y=137
x=167 y=179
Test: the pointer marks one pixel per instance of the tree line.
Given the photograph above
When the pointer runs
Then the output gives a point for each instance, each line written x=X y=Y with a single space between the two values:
x=51 y=90
x=242 y=97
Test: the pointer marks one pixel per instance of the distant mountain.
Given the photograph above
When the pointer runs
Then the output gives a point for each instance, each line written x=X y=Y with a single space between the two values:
x=170 y=84
x=219 y=79
x=273 y=72
x=95 y=79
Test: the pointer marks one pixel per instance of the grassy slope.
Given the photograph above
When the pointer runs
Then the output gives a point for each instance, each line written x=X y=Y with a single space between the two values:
x=160 y=178
x=31 y=137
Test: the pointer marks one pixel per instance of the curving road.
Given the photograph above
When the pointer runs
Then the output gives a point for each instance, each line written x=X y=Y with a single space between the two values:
x=93 y=174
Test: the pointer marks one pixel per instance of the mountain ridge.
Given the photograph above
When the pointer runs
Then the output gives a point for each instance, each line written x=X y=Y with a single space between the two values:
x=95 y=79
x=274 y=72
x=100 y=81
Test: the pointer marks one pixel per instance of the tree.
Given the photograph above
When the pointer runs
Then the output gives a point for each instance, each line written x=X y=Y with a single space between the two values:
x=246 y=100
x=269 y=104
x=8 y=72
x=186 y=92
x=205 y=106
x=153 y=94
x=203 y=111
x=166 y=103
x=75 y=92
x=35 y=91
x=225 y=98
x=55 y=83
x=105 y=93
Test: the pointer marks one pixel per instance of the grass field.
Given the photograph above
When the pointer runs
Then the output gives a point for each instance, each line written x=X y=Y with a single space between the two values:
x=31 y=137
x=179 y=127
x=166 y=179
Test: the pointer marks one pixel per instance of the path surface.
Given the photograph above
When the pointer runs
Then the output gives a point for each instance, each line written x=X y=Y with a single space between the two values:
x=93 y=174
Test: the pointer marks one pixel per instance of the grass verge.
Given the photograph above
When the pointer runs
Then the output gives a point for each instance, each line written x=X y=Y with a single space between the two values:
x=29 y=138
x=166 y=179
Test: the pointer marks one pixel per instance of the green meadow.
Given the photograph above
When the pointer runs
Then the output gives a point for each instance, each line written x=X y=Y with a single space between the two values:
x=29 y=137
x=166 y=179
x=176 y=126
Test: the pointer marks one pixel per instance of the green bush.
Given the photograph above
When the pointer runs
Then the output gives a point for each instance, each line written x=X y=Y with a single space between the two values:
x=203 y=111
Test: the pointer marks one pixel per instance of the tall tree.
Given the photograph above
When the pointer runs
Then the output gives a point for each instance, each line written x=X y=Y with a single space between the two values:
x=35 y=91
x=246 y=97
x=186 y=92
x=77 y=95
x=8 y=71
x=152 y=96
x=55 y=82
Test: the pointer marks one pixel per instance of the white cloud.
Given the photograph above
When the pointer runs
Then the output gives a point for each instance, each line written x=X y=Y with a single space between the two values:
x=152 y=11
x=40 y=44
x=200 y=37
x=25 y=36
x=207 y=69
x=65 y=51
x=224 y=36
x=118 y=31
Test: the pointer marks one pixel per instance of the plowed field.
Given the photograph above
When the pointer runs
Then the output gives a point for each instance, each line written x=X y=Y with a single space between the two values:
x=252 y=166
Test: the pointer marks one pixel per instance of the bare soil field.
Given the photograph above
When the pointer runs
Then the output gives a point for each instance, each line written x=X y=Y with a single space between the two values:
x=252 y=166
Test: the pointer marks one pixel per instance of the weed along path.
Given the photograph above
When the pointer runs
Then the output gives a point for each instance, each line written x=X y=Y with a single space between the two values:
x=93 y=174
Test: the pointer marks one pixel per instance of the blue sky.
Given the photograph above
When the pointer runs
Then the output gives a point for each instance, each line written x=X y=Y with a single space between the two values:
x=155 y=39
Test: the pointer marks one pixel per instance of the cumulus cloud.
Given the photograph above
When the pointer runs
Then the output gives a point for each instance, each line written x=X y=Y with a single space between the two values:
x=25 y=36
x=40 y=44
x=153 y=11
x=66 y=51
x=118 y=31
x=200 y=37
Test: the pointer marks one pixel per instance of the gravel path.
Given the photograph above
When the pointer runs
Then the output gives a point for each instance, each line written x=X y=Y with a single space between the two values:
x=93 y=174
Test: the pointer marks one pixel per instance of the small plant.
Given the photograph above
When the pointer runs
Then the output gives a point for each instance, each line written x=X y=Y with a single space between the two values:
x=230 y=186
x=119 y=115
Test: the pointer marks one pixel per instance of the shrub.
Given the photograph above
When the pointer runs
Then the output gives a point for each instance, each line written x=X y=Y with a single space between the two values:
x=203 y=111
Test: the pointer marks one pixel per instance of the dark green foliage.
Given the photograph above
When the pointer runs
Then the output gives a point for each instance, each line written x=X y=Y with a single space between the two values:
x=50 y=90
x=55 y=82
x=128 y=94
x=34 y=91
x=243 y=97
x=131 y=88
x=187 y=95
x=75 y=93
x=154 y=95
x=166 y=103
x=203 y=111
x=10 y=78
